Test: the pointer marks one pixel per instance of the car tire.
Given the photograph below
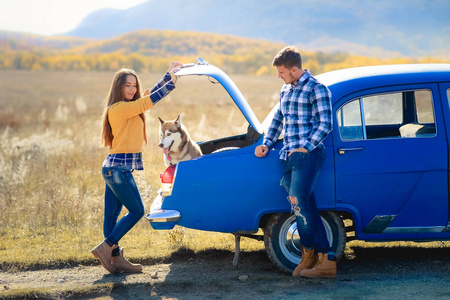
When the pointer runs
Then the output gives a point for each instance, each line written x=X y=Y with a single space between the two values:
x=283 y=245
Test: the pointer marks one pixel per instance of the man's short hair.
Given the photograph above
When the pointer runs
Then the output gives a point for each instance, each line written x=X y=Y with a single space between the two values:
x=288 y=57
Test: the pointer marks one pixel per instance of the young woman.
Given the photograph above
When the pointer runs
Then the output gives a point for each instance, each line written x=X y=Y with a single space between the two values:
x=124 y=134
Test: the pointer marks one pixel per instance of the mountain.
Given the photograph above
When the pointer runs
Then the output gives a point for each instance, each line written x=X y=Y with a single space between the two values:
x=383 y=28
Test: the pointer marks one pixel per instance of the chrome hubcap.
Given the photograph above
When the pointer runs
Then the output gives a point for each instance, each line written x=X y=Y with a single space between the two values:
x=290 y=241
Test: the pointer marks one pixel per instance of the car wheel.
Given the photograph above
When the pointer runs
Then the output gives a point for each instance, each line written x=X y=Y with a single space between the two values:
x=283 y=244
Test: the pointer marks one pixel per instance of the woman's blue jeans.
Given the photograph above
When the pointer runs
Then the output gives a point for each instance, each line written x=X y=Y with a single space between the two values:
x=300 y=173
x=121 y=190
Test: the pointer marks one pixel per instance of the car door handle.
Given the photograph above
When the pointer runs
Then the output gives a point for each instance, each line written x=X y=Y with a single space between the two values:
x=343 y=150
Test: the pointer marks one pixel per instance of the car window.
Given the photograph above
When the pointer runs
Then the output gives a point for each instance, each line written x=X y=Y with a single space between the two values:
x=383 y=109
x=402 y=114
x=424 y=107
x=350 y=122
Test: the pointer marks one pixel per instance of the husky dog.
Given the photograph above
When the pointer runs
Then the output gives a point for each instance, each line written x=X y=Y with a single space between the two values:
x=176 y=143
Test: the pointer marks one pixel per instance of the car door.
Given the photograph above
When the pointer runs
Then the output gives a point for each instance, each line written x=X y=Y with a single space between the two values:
x=394 y=182
x=445 y=95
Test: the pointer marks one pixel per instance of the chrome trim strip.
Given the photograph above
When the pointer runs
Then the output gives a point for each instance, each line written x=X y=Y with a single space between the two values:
x=429 y=229
x=162 y=216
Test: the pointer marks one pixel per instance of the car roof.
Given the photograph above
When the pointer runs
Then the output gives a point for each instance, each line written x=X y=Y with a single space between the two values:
x=342 y=82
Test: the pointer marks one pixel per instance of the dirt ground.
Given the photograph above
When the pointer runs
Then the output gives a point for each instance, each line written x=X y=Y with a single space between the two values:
x=365 y=273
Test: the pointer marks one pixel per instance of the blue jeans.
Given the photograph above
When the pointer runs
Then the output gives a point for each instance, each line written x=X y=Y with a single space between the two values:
x=300 y=173
x=121 y=190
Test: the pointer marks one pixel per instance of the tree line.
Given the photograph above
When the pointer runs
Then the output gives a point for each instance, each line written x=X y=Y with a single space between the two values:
x=152 y=51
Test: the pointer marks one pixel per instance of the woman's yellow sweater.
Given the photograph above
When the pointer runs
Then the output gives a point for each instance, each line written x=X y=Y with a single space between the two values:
x=128 y=129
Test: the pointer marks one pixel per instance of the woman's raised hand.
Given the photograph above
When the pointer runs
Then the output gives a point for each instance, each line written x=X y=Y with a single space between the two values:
x=174 y=67
x=146 y=93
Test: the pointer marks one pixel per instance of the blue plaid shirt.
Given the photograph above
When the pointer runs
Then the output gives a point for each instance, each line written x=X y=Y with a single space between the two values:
x=304 y=113
x=162 y=88
x=134 y=161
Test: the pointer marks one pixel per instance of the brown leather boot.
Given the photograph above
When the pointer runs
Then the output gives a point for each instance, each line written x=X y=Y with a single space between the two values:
x=123 y=265
x=103 y=252
x=309 y=260
x=324 y=268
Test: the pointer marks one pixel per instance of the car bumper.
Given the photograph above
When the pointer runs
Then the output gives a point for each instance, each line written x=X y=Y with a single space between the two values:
x=161 y=219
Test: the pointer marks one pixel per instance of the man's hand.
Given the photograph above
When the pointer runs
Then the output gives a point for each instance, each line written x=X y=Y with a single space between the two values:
x=146 y=93
x=261 y=150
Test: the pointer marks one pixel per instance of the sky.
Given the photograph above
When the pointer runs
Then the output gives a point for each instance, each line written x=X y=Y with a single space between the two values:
x=50 y=17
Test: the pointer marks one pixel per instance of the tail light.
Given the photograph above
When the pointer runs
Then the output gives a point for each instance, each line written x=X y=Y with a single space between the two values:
x=167 y=179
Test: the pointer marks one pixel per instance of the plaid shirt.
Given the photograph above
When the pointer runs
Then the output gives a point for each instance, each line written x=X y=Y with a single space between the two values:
x=134 y=161
x=304 y=113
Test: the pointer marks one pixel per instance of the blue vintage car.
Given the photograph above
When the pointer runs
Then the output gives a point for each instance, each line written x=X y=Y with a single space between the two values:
x=386 y=175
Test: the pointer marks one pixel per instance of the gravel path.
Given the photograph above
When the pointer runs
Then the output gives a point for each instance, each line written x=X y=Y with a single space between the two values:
x=379 y=273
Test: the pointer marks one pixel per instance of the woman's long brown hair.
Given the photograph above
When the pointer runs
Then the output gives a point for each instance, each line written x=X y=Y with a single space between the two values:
x=115 y=95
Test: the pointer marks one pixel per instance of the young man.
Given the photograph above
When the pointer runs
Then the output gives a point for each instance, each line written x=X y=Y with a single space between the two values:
x=305 y=115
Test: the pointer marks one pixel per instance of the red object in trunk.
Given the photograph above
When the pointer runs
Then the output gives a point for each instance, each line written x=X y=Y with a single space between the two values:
x=167 y=176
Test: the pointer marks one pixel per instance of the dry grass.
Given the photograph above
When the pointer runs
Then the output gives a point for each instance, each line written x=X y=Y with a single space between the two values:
x=51 y=189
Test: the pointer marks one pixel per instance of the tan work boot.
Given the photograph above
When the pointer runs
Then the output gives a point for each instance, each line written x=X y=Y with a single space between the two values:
x=123 y=265
x=103 y=252
x=324 y=268
x=309 y=260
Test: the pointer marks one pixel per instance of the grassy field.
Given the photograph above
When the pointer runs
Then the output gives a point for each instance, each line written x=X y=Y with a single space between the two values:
x=51 y=189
